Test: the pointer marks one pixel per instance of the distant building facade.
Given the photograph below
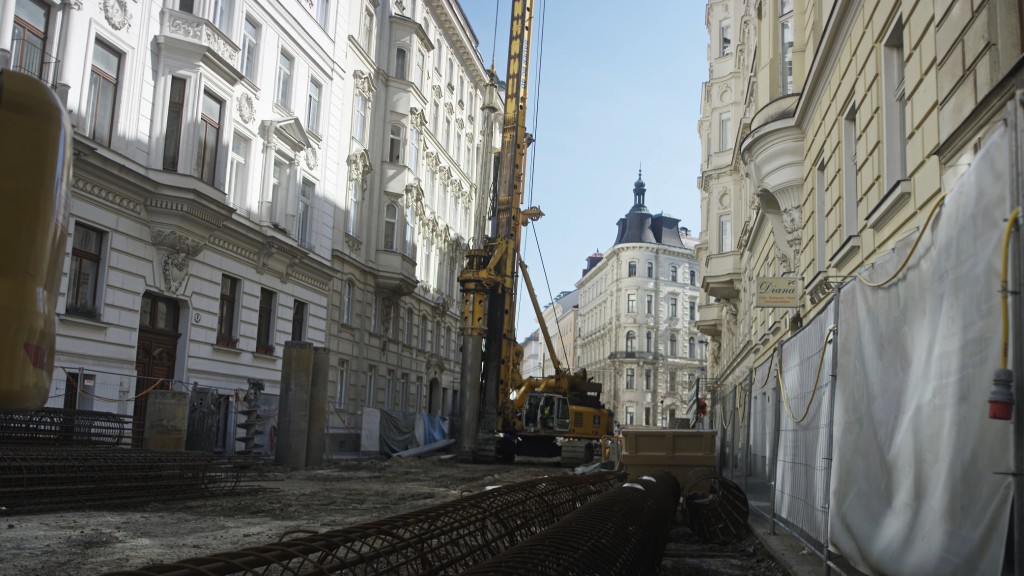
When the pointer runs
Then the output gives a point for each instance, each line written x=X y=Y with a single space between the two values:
x=636 y=331
x=560 y=317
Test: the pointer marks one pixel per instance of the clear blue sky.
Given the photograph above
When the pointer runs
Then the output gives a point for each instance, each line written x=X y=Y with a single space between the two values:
x=618 y=84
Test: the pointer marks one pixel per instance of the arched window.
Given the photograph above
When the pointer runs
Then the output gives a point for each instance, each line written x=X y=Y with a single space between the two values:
x=401 y=57
x=650 y=342
x=395 y=149
x=672 y=273
x=630 y=341
x=689 y=348
x=391 y=227
x=410 y=231
x=673 y=346
x=693 y=277
x=632 y=269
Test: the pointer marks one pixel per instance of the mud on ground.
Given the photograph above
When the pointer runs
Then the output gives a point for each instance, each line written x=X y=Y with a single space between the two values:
x=87 y=542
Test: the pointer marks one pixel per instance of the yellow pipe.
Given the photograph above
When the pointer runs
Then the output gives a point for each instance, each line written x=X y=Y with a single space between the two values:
x=1004 y=287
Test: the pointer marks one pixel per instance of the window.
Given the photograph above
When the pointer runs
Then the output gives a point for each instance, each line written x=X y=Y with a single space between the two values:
x=435 y=118
x=786 y=47
x=371 y=385
x=401 y=62
x=366 y=30
x=414 y=150
x=821 y=260
x=673 y=307
x=630 y=341
x=283 y=89
x=354 y=201
x=160 y=313
x=631 y=303
x=647 y=379
x=410 y=219
x=359 y=126
x=209 y=137
x=673 y=346
x=693 y=313
x=421 y=71
x=238 y=173
x=724 y=133
x=389 y=390
x=347 y=294
x=671 y=381
x=457 y=152
x=395 y=148
x=299 y=321
x=323 y=10
x=403 y=398
x=689 y=349
x=693 y=277
x=447 y=341
x=221 y=16
x=894 y=107
x=227 y=313
x=630 y=379
x=99 y=112
x=264 y=324
x=650 y=304
x=650 y=270
x=647 y=415
x=304 y=215
x=650 y=343
x=725 y=37
x=850 y=171
x=631 y=269
x=313 y=106
x=83 y=280
x=341 y=399
x=462 y=88
x=423 y=332
x=435 y=338
x=408 y=326
x=31 y=21
x=175 y=115
x=278 y=180
x=630 y=415
x=250 y=40
x=447 y=133
x=673 y=273
x=374 y=314
x=391 y=227
x=451 y=74
x=724 y=234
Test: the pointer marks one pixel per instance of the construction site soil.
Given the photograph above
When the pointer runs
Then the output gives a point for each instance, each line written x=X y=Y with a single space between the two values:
x=343 y=493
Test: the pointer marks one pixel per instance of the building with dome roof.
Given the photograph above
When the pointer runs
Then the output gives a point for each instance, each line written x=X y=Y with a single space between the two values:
x=636 y=328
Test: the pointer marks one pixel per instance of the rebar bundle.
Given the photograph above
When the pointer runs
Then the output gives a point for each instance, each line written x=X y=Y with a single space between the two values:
x=34 y=479
x=716 y=508
x=64 y=427
x=444 y=539
x=619 y=533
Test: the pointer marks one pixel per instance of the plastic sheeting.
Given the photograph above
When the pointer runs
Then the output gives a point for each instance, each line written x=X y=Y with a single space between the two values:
x=433 y=428
x=918 y=484
x=369 y=440
x=397 y=431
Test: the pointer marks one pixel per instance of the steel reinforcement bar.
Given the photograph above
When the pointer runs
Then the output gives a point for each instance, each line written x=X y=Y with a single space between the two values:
x=619 y=533
x=444 y=539
x=34 y=479
x=60 y=426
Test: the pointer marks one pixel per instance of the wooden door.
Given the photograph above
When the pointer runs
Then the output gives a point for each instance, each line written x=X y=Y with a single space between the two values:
x=155 y=355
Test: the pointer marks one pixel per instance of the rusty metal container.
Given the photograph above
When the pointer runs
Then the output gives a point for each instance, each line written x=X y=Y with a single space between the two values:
x=166 y=421
x=647 y=450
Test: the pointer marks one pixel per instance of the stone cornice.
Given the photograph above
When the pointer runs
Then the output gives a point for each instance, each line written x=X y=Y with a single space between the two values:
x=106 y=194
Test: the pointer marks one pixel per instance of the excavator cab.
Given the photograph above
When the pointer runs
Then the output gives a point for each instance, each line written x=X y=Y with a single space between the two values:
x=546 y=413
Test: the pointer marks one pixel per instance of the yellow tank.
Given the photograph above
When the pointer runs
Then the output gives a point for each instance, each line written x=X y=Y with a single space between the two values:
x=35 y=164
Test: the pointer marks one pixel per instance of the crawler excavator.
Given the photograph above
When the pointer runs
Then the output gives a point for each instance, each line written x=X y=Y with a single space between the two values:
x=504 y=414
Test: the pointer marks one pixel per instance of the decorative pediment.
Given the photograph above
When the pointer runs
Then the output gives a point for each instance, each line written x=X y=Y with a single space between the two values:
x=417 y=118
x=288 y=131
x=364 y=84
x=433 y=162
x=470 y=136
x=359 y=166
x=436 y=89
x=449 y=108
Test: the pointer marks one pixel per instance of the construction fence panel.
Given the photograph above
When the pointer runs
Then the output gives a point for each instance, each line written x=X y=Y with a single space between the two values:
x=805 y=428
x=762 y=436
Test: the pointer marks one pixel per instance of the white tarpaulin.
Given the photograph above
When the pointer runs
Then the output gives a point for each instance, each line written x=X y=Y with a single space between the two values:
x=919 y=484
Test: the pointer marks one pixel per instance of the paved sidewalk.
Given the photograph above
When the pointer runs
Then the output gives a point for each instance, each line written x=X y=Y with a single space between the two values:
x=790 y=553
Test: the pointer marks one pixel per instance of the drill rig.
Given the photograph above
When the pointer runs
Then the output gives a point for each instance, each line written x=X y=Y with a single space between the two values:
x=504 y=414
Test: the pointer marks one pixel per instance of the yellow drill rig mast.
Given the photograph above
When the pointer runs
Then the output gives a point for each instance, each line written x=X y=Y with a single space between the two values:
x=496 y=401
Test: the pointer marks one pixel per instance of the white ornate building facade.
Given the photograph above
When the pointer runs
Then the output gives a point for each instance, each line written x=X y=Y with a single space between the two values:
x=637 y=319
x=830 y=143
x=560 y=318
x=248 y=173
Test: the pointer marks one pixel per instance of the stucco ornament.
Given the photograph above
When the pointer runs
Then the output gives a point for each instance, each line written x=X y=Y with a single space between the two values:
x=117 y=15
x=178 y=250
x=312 y=158
x=246 y=107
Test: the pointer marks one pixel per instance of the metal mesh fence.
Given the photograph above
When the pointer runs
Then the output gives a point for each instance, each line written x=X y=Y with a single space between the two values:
x=805 y=428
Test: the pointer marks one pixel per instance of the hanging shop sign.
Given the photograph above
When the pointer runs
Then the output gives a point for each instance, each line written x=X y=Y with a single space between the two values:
x=778 y=293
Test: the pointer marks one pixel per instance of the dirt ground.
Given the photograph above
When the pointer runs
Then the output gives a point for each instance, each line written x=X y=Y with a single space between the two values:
x=87 y=542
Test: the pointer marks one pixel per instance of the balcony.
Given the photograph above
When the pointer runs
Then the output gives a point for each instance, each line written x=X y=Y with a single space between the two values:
x=29 y=58
x=396 y=177
x=710 y=322
x=722 y=275
x=634 y=356
x=396 y=272
x=192 y=28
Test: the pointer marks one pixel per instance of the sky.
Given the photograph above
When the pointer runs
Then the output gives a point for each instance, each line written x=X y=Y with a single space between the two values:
x=614 y=85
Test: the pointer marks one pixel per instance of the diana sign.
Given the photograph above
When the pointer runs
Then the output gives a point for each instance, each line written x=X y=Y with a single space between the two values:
x=778 y=293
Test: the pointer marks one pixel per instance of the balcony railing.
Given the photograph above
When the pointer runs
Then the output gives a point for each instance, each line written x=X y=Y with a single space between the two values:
x=198 y=30
x=28 y=58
